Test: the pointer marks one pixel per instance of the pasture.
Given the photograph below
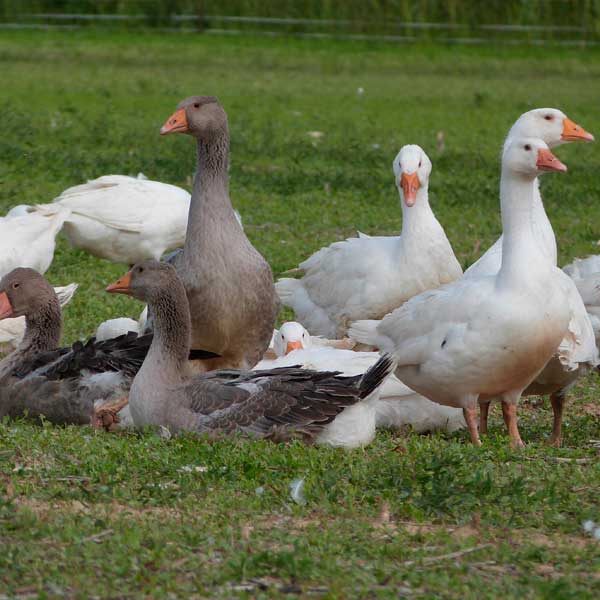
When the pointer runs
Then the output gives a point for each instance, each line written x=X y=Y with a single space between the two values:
x=86 y=514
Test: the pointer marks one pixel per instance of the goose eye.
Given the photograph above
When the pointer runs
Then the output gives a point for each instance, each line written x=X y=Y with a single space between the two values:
x=419 y=164
x=527 y=147
x=140 y=269
x=548 y=117
x=196 y=104
x=16 y=285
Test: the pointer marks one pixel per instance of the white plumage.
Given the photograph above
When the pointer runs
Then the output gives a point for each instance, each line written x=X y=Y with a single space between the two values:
x=123 y=219
x=367 y=277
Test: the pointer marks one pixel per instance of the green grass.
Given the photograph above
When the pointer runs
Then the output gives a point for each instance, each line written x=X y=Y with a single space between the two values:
x=85 y=514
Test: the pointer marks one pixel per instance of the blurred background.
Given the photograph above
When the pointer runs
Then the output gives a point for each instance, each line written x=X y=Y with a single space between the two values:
x=459 y=21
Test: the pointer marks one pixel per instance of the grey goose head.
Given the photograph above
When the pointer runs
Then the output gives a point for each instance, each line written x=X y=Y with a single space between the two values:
x=146 y=281
x=199 y=116
x=25 y=292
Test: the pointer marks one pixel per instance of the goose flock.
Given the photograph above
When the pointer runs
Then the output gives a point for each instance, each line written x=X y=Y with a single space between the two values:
x=390 y=333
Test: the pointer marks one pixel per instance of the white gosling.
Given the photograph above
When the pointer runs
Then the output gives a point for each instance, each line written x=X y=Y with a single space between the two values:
x=390 y=269
x=488 y=336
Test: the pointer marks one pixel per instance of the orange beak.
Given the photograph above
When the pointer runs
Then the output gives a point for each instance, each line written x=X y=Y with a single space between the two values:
x=409 y=185
x=574 y=133
x=121 y=286
x=293 y=346
x=546 y=161
x=6 y=309
x=176 y=123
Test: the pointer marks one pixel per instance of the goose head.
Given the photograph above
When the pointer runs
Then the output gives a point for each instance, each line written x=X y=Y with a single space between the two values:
x=291 y=336
x=146 y=281
x=550 y=125
x=199 y=116
x=529 y=157
x=412 y=168
x=25 y=292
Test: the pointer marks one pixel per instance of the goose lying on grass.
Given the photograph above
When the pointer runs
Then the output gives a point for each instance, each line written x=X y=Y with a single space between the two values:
x=395 y=406
x=241 y=296
x=277 y=403
x=488 y=336
x=13 y=330
x=577 y=353
x=123 y=219
x=368 y=277
x=60 y=384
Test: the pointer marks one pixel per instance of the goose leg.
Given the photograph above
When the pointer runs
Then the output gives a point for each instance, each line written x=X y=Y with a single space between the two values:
x=484 y=409
x=470 y=415
x=509 y=412
x=558 y=404
x=107 y=416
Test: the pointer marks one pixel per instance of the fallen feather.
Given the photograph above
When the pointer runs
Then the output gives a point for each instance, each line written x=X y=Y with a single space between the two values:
x=297 y=491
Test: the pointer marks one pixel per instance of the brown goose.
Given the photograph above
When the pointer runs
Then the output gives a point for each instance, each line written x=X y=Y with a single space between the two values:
x=60 y=384
x=229 y=285
x=277 y=403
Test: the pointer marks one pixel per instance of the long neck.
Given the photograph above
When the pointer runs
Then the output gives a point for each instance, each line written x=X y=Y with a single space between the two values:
x=170 y=347
x=542 y=227
x=42 y=333
x=210 y=202
x=419 y=217
x=522 y=256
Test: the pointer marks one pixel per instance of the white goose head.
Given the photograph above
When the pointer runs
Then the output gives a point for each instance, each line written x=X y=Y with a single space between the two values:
x=412 y=168
x=291 y=336
x=550 y=125
x=529 y=157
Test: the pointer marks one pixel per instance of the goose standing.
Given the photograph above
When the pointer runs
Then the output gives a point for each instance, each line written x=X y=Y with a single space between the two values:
x=489 y=336
x=122 y=219
x=577 y=353
x=395 y=406
x=229 y=285
x=390 y=270
x=278 y=403
x=585 y=273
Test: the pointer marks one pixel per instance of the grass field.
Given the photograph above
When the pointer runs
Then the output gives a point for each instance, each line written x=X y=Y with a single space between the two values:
x=86 y=515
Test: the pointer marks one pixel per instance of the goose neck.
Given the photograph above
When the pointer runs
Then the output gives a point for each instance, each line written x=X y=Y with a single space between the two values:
x=170 y=346
x=522 y=256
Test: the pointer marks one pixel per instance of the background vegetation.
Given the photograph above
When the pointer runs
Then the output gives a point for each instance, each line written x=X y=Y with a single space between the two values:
x=84 y=514
x=552 y=19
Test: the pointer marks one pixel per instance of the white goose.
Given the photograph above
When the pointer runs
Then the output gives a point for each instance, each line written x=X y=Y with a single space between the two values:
x=29 y=241
x=489 y=336
x=390 y=269
x=123 y=219
x=396 y=405
x=13 y=330
x=585 y=273
x=577 y=352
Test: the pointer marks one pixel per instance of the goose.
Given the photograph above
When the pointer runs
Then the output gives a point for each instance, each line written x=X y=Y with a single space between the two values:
x=276 y=403
x=585 y=273
x=122 y=219
x=112 y=328
x=553 y=127
x=229 y=284
x=577 y=353
x=64 y=385
x=390 y=269
x=13 y=330
x=489 y=336
x=29 y=241
x=396 y=405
